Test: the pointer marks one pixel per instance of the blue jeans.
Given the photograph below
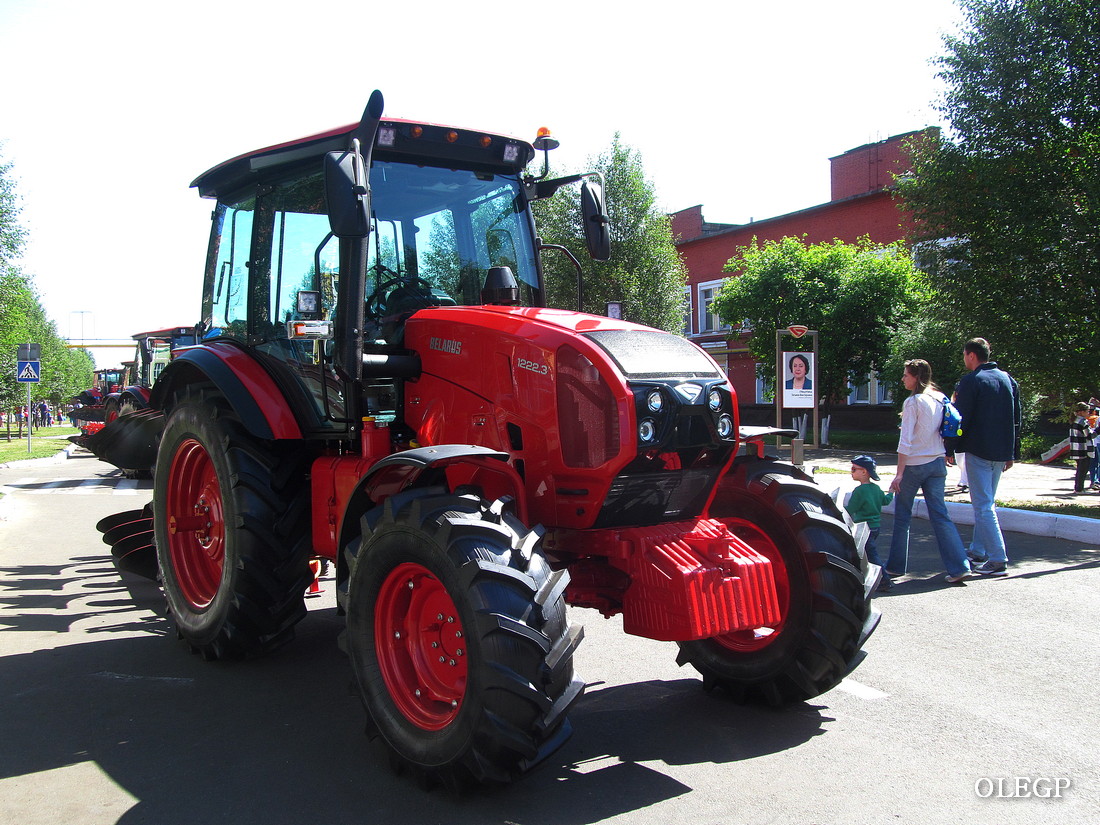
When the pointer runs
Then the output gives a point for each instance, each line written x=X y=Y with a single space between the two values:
x=988 y=541
x=870 y=547
x=930 y=478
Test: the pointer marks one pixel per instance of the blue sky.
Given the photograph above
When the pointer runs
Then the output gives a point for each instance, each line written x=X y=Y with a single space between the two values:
x=120 y=104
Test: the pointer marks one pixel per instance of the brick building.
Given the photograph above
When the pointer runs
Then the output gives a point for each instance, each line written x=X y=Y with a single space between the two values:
x=861 y=204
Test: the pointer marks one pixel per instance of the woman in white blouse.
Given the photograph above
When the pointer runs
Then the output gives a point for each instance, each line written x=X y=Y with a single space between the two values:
x=921 y=466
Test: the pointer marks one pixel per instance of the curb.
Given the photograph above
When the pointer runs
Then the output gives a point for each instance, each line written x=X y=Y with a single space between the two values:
x=1049 y=525
x=60 y=455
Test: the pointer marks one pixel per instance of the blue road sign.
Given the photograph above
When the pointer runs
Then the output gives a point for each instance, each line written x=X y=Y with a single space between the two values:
x=28 y=372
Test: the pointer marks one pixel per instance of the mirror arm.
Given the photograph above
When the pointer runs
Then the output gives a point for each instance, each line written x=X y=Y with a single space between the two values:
x=576 y=264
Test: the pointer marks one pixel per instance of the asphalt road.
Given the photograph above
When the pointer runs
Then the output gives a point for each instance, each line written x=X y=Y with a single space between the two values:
x=976 y=704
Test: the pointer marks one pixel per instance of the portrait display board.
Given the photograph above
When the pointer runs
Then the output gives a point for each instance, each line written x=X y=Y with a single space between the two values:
x=798 y=379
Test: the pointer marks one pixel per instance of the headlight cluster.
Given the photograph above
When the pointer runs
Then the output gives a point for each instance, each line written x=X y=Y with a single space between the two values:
x=647 y=427
x=691 y=404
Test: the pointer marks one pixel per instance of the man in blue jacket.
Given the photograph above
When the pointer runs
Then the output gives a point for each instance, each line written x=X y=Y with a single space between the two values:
x=989 y=400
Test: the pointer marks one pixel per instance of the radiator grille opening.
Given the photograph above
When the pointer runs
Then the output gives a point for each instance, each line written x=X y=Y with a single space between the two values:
x=588 y=421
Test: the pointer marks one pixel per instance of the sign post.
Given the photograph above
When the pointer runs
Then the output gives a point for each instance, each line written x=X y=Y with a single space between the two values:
x=28 y=370
x=796 y=384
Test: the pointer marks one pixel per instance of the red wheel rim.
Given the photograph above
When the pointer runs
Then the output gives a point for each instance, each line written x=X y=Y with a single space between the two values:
x=758 y=638
x=196 y=524
x=421 y=646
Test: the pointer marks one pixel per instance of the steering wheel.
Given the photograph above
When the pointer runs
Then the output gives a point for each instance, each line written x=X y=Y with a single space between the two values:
x=377 y=303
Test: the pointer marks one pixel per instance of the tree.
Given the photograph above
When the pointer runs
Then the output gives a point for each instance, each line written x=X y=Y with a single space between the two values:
x=853 y=293
x=644 y=271
x=1009 y=205
x=22 y=319
x=12 y=234
x=925 y=333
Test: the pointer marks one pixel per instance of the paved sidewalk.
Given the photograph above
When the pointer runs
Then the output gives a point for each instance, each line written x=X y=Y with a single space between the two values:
x=1025 y=482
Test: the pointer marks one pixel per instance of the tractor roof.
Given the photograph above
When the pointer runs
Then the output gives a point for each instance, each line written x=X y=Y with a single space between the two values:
x=400 y=140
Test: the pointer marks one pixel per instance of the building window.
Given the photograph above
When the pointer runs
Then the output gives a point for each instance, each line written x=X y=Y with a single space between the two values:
x=708 y=317
x=687 y=311
x=885 y=394
x=871 y=391
x=765 y=388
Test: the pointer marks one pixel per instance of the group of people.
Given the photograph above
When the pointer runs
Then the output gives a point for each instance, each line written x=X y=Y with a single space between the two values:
x=989 y=400
x=39 y=414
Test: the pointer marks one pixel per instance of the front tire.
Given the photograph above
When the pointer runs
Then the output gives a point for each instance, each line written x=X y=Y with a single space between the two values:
x=458 y=638
x=823 y=583
x=231 y=520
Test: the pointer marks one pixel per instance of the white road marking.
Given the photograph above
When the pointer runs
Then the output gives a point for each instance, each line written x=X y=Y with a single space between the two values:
x=862 y=691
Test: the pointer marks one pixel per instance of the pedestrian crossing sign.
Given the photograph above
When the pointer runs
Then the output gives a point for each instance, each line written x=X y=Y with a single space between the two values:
x=28 y=372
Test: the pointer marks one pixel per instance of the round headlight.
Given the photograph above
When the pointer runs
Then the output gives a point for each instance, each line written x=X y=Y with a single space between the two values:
x=655 y=402
x=647 y=430
x=725 y=426
x=714 y=400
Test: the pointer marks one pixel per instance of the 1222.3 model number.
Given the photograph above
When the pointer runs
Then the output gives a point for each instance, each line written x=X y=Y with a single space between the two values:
x=532 y=366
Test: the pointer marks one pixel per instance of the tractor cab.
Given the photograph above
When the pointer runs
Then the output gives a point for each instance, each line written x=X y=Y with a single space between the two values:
x=323 y=306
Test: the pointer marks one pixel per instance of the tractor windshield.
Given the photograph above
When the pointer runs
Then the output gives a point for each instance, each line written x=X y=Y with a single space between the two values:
x=448 y=227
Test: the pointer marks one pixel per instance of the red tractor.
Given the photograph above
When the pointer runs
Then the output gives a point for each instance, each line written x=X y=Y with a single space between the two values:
x=91 y=412
x=152 y=353
x=378 y=384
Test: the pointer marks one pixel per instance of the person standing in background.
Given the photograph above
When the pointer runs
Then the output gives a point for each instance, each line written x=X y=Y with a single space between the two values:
x=989 y=402
x=922 y=466
x=1081 y=447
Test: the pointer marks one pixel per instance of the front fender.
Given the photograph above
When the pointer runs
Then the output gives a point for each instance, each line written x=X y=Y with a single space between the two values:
x=448 y=466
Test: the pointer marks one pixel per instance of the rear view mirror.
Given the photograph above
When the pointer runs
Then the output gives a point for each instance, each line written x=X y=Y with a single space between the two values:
x=347 y=192
x=597 y=235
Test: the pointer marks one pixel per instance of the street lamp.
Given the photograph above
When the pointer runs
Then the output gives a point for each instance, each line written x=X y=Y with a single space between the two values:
x=81 y=313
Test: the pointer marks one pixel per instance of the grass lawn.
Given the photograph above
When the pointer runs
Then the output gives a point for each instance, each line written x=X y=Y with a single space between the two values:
x=45 y=442
x=1067 y=509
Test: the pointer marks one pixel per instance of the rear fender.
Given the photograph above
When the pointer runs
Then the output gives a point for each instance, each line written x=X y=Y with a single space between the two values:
x=247 y=387
x=136 y=395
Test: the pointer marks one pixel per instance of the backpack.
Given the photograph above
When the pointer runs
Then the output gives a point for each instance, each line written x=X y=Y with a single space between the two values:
x=951 y=423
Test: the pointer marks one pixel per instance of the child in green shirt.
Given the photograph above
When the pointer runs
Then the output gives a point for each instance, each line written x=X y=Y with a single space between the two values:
x=866 y=503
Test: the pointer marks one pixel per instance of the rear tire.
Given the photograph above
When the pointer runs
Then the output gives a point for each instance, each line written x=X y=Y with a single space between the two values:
x=458 y=637
x=823 y=582
x=231 y=518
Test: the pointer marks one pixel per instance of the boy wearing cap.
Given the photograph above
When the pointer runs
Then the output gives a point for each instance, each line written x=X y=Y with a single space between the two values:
x=866 y=503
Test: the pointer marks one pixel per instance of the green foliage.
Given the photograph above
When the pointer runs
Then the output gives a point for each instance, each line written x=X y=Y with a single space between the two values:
x=644 y=271
x=65 y=372
x=12 y=234
x=929 y=334
x=1012 y=198
x=852 y=293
